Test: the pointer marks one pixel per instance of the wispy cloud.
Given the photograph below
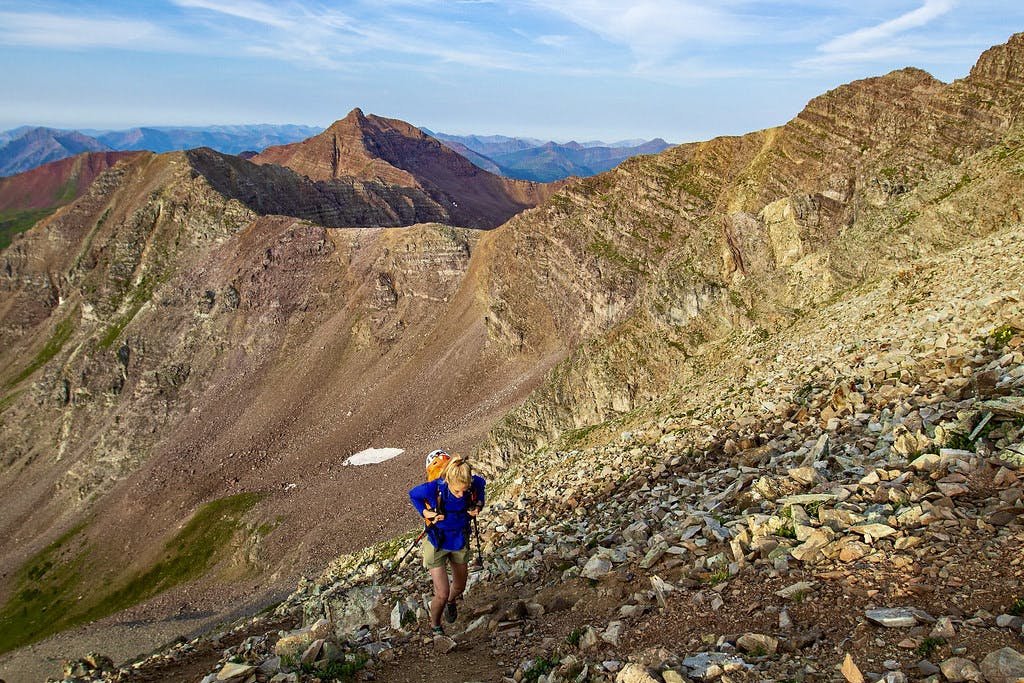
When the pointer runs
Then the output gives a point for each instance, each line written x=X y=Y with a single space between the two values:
x=250 y=11
x=38 y=29
x=884 y=41
x=555 y=41
x=384 y=31
x=654 y=30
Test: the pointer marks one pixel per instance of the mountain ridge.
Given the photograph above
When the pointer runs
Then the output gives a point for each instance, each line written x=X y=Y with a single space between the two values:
x=158 y=304
x=395 y=152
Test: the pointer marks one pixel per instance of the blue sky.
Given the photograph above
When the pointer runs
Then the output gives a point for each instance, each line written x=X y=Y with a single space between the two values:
x=568 y=69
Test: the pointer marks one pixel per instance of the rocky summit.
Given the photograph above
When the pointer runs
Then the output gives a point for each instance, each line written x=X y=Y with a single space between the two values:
x=750 y=409
x=395 y=152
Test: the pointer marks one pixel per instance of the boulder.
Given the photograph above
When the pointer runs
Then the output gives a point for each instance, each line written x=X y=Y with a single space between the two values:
x=959 y=670
x=1005 y=665
x=634 y=673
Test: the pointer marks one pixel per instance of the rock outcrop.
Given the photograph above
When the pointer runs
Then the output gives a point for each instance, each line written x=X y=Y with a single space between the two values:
x=705 y=240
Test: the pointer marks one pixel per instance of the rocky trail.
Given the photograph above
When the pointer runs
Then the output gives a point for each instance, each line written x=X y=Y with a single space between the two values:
x=843 y=500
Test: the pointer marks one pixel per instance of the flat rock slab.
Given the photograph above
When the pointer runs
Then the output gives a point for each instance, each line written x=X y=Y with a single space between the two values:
x=233 y=671
x=806 y=499
x=801 y=588
x=893 y=617
x=1011 y=406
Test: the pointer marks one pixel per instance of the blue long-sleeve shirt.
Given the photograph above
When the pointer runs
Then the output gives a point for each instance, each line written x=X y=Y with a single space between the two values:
x=450 y=532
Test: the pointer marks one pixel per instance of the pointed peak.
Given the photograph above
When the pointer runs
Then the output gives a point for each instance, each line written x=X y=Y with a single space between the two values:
x=354 y=119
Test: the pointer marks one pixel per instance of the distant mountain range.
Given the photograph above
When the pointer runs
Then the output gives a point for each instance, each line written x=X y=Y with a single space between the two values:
x=544 y=162
x=27 y=147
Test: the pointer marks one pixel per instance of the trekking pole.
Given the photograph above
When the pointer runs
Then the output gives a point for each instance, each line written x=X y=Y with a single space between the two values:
x=412 y=547
x=479 y=555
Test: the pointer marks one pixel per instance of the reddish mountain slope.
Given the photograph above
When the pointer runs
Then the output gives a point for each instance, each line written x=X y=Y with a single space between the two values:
x=392 y=151
x=57 y=182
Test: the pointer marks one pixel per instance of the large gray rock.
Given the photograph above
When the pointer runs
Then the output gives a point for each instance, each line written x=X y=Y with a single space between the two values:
x=596 y=567
x=352 y=608
x=1005 y=665
x=708 y=665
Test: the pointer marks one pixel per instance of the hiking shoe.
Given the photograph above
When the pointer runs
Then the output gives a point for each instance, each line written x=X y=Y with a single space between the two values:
x=451 y=612
x=437 y=631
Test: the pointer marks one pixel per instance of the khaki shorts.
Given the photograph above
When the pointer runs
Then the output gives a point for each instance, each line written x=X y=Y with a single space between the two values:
x=433 y=557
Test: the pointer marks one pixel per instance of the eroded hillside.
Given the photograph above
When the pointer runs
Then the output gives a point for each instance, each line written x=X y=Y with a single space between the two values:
x=166 y=348
x=662 y=254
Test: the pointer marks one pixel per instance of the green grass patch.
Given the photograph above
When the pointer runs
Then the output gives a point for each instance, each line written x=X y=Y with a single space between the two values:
x=964 y=181
x=342 y=670
x=685 y=177
x=138 y=298
x=906 y=217
x=786 y=531
x=16 y=222
x=576 y=437
x=1016 y=607
x=540 y=667
x=52 y=595
x=603 y=248
x=959 y=441
x=929 y=646
x=718 y=577
x=45 y=591
x=51 y=348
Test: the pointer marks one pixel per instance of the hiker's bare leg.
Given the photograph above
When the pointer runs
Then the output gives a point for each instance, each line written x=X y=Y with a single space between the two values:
x=439 y=575
x=460 y=572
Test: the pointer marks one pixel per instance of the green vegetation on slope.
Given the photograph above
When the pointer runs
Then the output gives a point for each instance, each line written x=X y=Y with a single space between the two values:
x=51 y=593
x=138 y=298
x=15 y=222
x=51 y=348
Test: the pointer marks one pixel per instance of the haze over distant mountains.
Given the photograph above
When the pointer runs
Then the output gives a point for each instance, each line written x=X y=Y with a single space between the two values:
x=544 y=162
x=27 y=147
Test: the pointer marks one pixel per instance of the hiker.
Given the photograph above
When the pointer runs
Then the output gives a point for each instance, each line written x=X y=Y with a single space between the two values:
x=447 y=505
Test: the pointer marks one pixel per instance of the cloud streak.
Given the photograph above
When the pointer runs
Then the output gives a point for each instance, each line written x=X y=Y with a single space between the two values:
x=38 y=29
x=653 y=30
x=877 y=43
x=250 y=11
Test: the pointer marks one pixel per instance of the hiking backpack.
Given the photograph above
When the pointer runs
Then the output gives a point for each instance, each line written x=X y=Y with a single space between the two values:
x=436 y=462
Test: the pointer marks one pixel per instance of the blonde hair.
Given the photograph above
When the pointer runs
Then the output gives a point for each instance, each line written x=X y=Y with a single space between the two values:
x=459 y=472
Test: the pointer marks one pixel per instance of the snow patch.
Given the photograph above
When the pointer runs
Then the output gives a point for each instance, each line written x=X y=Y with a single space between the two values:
x=372 y=456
